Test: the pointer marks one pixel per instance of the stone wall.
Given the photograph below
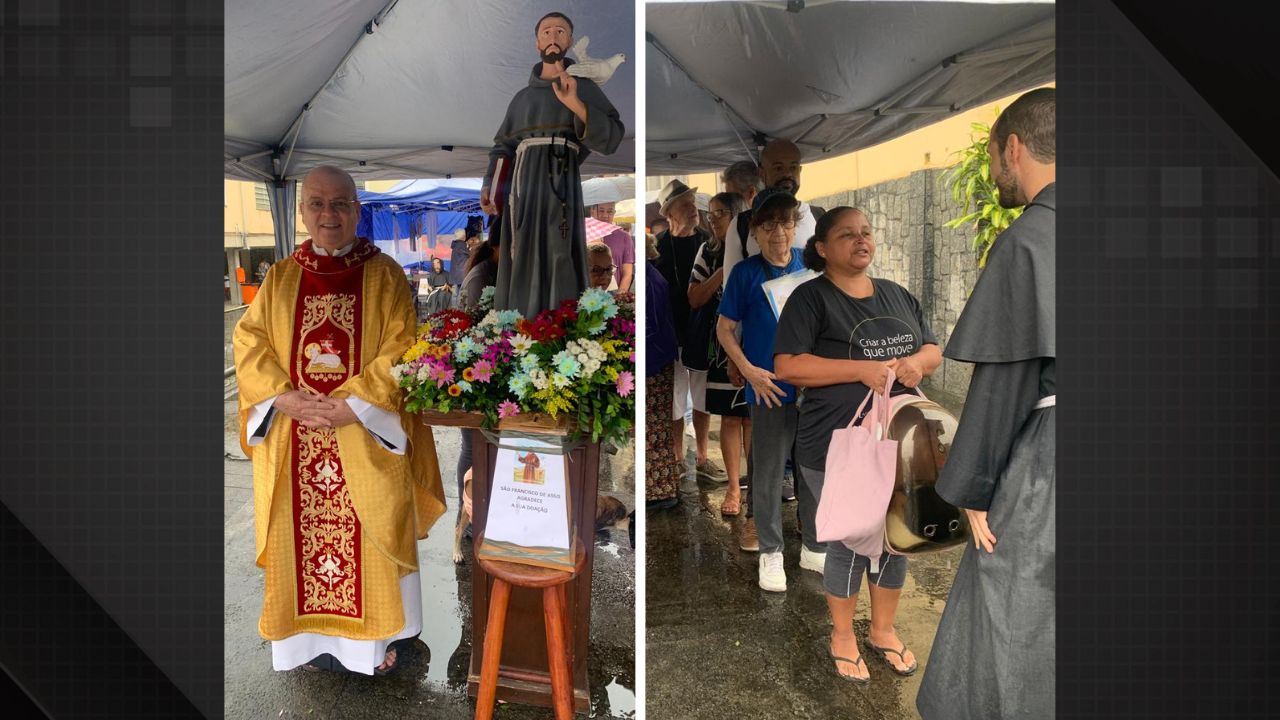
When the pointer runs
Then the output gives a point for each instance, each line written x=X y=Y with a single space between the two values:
x=914 y=250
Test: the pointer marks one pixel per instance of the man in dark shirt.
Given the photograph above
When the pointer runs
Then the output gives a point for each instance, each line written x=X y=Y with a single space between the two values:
x=1000 y=470
x=678 y=248
x=458 y=254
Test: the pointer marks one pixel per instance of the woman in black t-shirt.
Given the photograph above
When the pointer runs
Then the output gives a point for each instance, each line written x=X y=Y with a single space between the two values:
x=838 y=337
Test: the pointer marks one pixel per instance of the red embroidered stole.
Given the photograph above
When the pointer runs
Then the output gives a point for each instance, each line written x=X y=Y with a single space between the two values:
x=325 y=352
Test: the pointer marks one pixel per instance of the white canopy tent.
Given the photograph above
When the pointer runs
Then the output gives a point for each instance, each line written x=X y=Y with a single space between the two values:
x=393 y=89
x=833 y=76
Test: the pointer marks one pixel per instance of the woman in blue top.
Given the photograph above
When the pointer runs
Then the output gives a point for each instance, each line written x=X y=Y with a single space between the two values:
x=772 y=402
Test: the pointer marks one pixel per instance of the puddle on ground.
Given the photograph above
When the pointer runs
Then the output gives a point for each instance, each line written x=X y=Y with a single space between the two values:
x=622 y=700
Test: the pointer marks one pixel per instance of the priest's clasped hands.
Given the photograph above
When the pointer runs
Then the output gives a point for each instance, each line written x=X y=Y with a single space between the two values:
x=315 y=410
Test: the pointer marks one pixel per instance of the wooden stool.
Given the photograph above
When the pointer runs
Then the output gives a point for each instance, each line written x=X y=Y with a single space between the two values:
x=554 y=616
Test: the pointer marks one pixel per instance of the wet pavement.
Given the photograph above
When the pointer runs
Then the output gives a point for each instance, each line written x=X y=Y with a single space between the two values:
x=431 y=681
x=717 y=646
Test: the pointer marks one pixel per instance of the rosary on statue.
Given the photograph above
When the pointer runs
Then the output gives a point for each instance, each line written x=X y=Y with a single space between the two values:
x=558 y=174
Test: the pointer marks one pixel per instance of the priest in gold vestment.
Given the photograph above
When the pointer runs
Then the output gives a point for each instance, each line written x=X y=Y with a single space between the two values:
x=344 y=482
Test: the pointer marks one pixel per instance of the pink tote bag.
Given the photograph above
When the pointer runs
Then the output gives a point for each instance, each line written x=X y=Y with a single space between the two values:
x=861 y=464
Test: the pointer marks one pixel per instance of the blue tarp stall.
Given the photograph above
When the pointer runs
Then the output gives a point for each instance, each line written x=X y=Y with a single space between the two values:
x=393 y=89
x=415 y=208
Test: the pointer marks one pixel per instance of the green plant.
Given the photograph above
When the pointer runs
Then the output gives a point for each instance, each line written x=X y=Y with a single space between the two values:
x=972 y=187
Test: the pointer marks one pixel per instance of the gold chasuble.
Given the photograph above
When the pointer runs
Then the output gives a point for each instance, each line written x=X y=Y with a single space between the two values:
x=337 y=515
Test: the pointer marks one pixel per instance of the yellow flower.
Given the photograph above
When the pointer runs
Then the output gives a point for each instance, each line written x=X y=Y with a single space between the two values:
x=415 y=351
x=454 y=390
x=611 y=373
x=468 y=375
x=616 y=349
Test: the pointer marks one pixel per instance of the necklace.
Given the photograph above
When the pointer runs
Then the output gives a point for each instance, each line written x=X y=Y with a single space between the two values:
x=675 y=256
x=558 y=178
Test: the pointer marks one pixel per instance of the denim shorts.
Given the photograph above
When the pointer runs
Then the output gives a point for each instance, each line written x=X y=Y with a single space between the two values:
x=842 y=574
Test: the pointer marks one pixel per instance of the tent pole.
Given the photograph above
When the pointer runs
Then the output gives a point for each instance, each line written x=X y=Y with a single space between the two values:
x=296 y=126
x=657 y=44
x=282 y=196
x=1010 y=73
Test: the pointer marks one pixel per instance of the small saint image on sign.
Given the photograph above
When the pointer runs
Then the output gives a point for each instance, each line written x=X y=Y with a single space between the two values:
x=530 y=469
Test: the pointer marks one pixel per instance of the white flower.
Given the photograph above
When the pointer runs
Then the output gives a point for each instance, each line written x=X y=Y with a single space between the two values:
x=491 y=318
x=423 y=374
x=539 y=379
x=586 y=350
x=520 y=344
x=397 y=372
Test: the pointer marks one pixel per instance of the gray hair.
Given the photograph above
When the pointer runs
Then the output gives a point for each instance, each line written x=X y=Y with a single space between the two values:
x=743 y=174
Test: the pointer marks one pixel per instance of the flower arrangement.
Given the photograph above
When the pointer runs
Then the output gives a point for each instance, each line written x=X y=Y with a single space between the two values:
x=577 y=360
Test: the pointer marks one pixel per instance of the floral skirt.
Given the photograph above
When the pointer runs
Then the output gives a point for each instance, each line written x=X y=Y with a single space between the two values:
x=662 y=471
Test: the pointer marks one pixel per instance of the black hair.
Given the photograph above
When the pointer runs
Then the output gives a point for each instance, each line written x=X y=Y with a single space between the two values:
x=560 y=15
x=475 y=226
x=812 y=259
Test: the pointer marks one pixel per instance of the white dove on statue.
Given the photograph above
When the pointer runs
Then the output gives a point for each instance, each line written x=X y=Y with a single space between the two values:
x=593 y=69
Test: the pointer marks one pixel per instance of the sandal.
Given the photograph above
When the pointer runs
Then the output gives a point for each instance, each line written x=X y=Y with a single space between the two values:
x=882 y=653
x=388 y=662
x=731 y=506
x=850 y=678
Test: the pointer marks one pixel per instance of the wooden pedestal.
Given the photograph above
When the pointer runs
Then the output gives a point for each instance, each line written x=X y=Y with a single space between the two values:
x=524 y=646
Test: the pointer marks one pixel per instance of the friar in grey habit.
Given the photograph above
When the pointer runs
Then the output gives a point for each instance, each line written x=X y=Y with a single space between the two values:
x=550 y=128
x=993 y=656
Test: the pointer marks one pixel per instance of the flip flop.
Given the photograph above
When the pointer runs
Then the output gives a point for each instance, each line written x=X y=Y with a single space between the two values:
x=731 y=507
x=855 y=663
x=882 y=653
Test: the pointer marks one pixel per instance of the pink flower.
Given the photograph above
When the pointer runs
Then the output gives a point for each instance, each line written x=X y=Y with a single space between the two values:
x=626 y=383
x=442 y=375
x=483 y=370
x=508 y=409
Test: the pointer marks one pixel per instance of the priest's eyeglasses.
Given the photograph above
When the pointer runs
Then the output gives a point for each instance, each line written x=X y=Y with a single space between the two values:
x=601 y=269
x=771 y=225
x=338 y=206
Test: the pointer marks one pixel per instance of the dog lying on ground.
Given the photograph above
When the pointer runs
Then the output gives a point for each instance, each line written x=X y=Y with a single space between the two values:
x=610 y=512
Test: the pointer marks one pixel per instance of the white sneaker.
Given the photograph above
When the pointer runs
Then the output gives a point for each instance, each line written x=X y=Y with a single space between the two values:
x=810 y=560
x=772 y=576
